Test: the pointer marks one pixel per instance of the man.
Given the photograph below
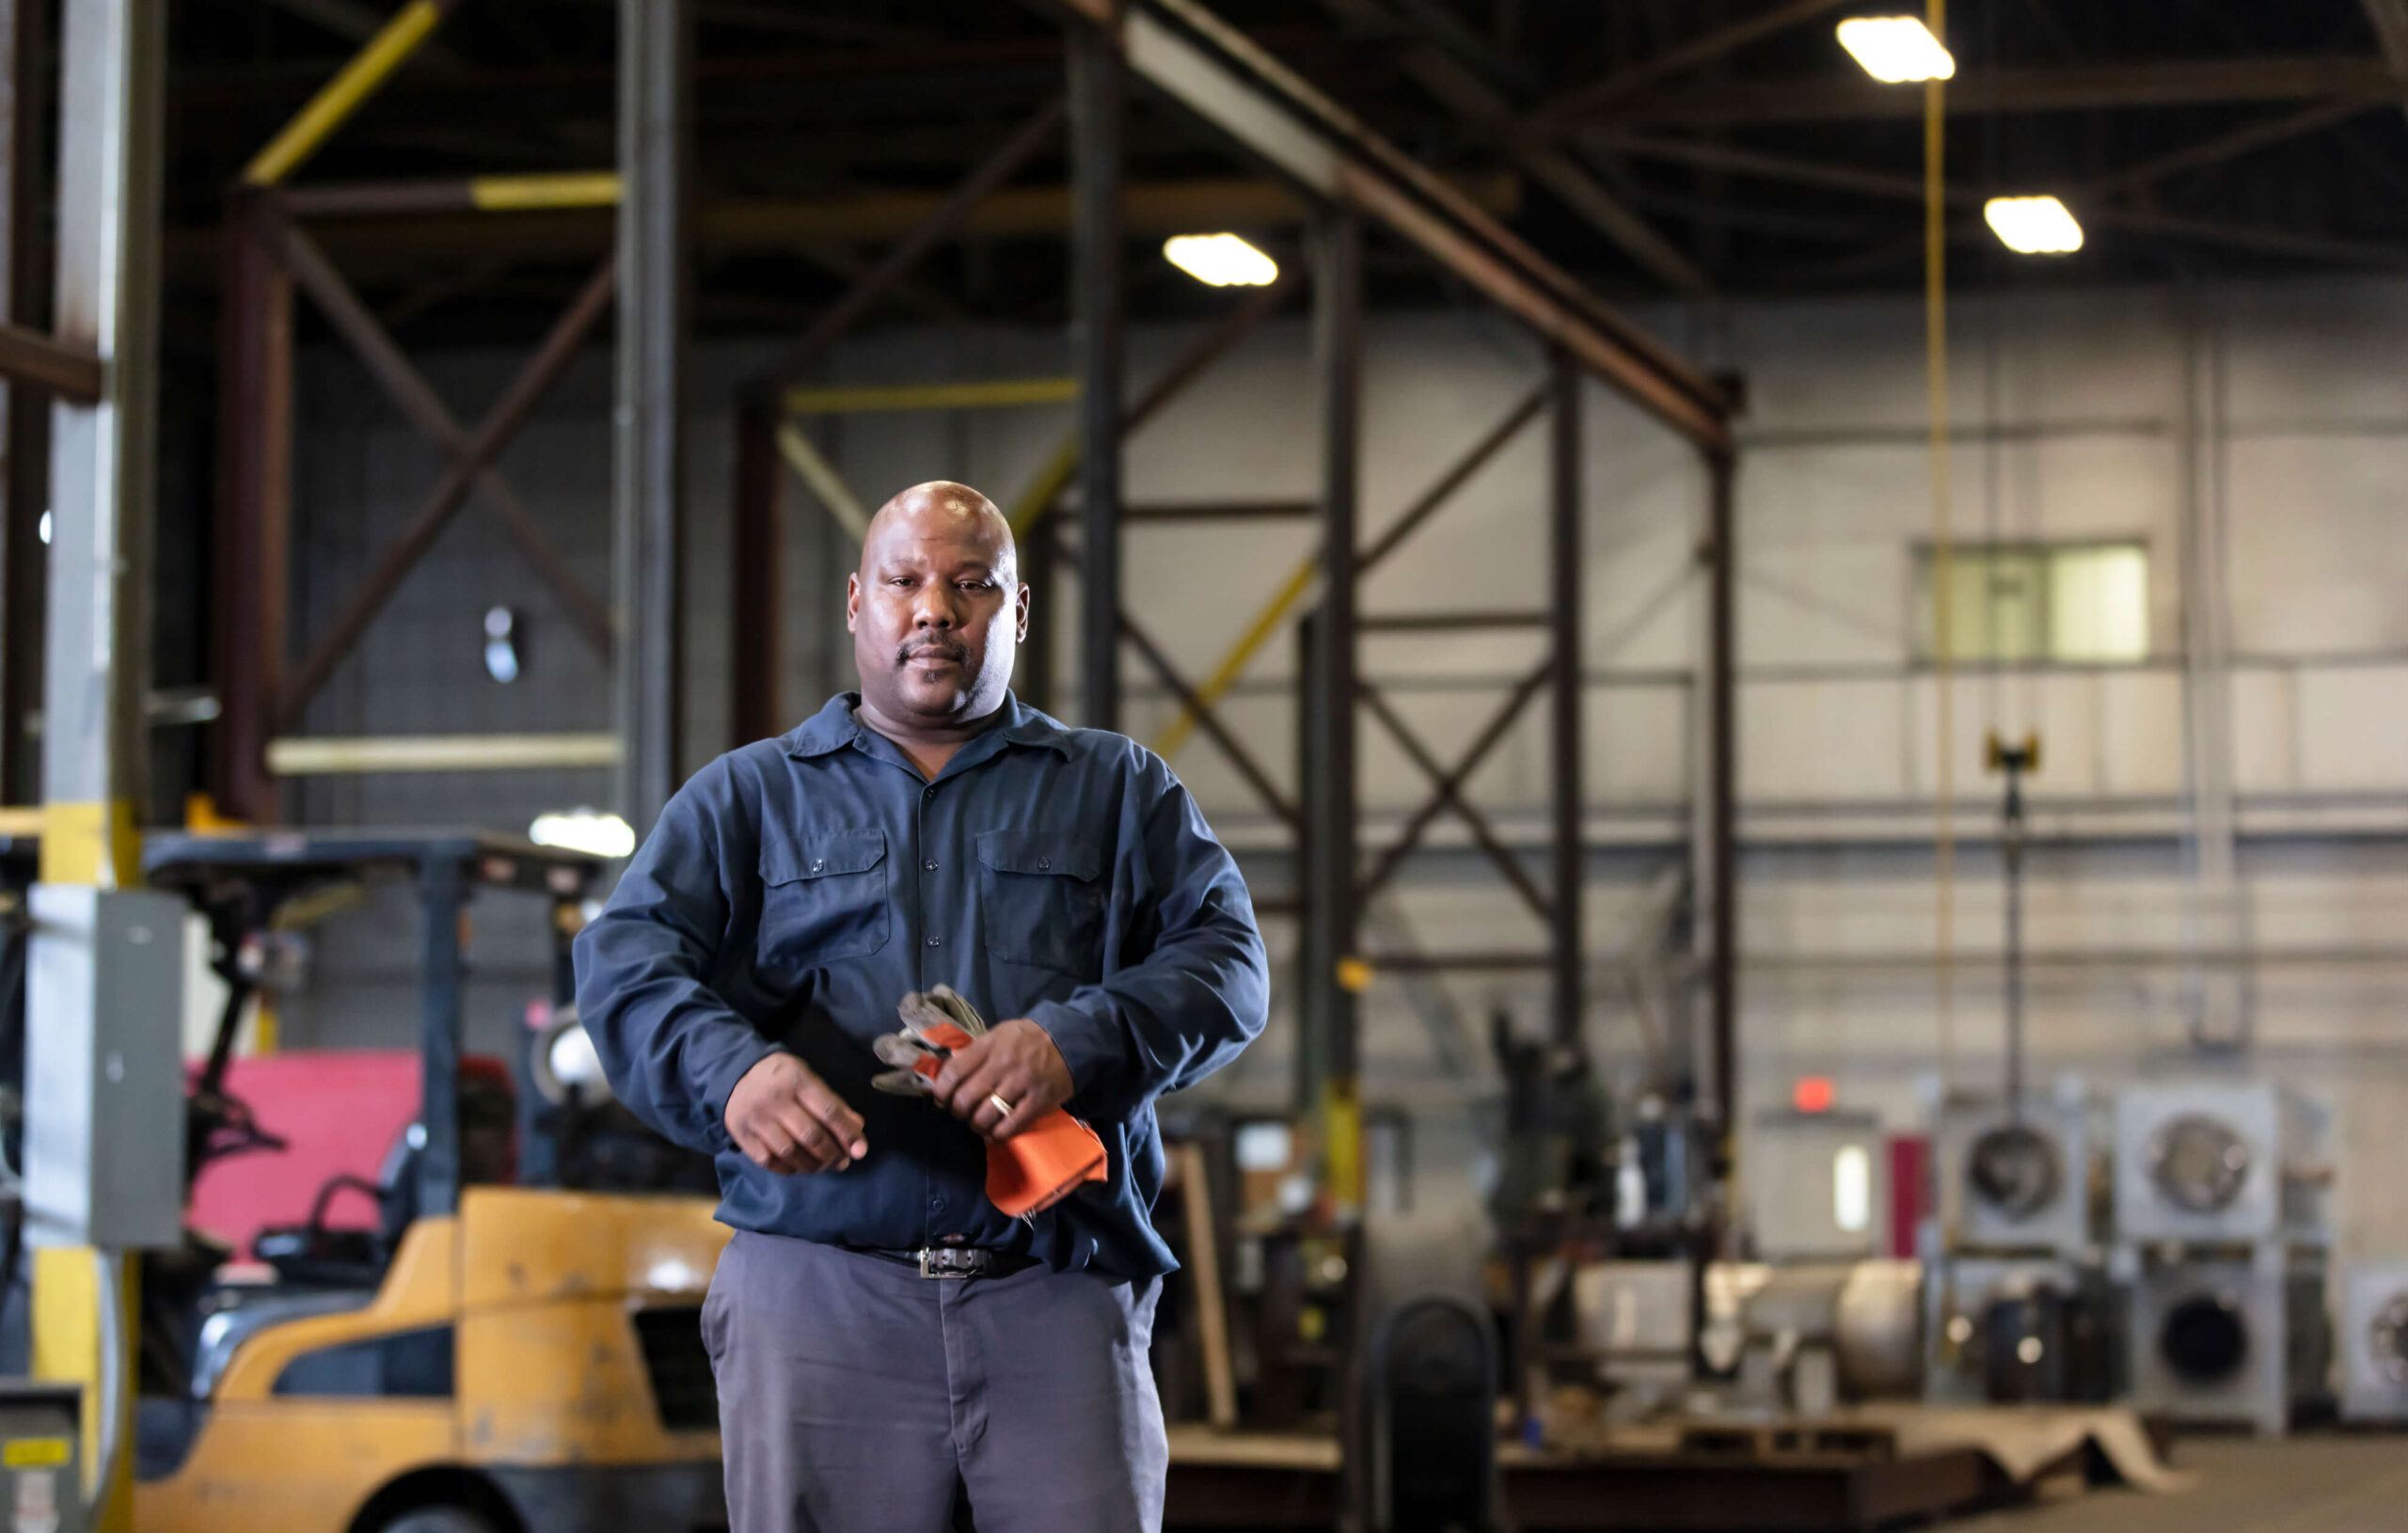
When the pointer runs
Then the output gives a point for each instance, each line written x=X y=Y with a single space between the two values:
x=891 y=1348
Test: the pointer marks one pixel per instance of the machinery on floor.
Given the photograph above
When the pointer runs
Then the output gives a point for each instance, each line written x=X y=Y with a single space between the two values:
x=2206 y=1161
x=2373 y=1342
x=2018 y=1177
x=2019 y=1329
x=2018 y=1305
x=2231 y=1337
x=2222 y=1241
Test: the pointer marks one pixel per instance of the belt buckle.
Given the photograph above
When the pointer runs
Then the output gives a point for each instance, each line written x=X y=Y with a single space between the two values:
x=928 y=1268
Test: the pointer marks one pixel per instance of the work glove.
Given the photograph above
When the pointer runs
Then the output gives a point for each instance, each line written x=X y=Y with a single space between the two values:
x=1033 y=1170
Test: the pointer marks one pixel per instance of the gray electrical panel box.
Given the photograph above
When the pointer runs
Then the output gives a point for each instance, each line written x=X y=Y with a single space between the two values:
x=105 y=1097
x=40 y=1433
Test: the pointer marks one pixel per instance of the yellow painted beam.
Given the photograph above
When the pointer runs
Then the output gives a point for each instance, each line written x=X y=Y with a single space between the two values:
x=521 y=194
x=90 y=843
x=1233 y=665
x=1341 y=1144
x=814 y=470
x=65 y=1326
x=319 y=756
x=995 y=393
x=333 y=105
x=1046 y=487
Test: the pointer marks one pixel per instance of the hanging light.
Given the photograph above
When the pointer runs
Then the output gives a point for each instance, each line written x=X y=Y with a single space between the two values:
x=2034 y=226
x=1896 y=49
x=1223 y=261
x=584 y=830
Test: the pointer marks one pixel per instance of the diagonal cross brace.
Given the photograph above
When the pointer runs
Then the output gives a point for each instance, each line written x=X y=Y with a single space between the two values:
x=993 y=172
x=1238 y=756
x=1449 y=794
x=409 y=391
x=499 y=425
x=1300 y=580
x=1526 y=689
x=1443 y=488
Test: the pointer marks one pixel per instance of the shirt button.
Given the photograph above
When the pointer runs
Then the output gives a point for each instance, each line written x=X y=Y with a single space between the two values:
x=1044 y=863
x=936 y=1205
x=936 y=941
x=929 y=792
x=818 y=865
x=930 y=866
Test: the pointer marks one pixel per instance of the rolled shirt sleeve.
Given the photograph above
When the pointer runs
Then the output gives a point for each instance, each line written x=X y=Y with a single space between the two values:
x=672 y=1048
x=1198 y=995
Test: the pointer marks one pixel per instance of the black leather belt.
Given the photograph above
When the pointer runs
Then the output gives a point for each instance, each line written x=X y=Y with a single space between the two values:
x=954 y=1261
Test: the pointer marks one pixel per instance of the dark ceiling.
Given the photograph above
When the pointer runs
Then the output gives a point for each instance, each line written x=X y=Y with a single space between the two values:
x=1657 y=147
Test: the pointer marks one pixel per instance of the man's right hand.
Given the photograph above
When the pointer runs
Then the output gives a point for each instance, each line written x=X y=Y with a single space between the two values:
x=786 y=1119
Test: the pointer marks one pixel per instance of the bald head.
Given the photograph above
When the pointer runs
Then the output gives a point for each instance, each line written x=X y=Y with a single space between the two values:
x=937 y=610
x=944 y=510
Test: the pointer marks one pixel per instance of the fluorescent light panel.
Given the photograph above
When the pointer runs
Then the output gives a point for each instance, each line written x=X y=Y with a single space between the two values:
x=1224 y=260
x=1896 y=49
x=2034 y=226
x=584 y=830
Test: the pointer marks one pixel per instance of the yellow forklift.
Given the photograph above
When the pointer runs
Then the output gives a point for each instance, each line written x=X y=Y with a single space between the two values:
x=488 y=1359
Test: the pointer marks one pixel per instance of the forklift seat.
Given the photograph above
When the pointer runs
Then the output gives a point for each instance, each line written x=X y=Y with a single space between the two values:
x=318 y=1255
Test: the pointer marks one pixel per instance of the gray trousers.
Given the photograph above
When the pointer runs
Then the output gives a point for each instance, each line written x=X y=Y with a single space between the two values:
x=857 y=1396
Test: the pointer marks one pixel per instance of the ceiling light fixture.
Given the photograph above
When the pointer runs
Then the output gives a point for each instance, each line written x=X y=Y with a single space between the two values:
x=2034 y=226
x=1896 y=49
x=1224 y=260
x=584 y=830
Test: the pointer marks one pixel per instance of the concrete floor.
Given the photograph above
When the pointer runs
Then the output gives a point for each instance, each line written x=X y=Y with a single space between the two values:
x=2349 y=1483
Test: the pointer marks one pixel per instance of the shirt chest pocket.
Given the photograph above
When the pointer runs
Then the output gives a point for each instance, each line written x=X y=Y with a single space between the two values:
x=823 y=897
x=1042 y=896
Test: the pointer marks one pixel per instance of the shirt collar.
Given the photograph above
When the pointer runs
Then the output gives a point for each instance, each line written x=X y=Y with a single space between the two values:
x=837 y=725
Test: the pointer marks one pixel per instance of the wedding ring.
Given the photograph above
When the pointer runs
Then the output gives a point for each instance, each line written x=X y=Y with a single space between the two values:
x=1001 y=1106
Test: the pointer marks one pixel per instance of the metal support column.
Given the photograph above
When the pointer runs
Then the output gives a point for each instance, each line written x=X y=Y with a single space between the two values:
x=97 y=676
x=756 y=706
x=254 y=502
x=1332 y=969
x=656 y=141
x=95 y=668
x=1723 y=861
x=443 y=896
x=1097 y=89
x=1564 y=712
x=24 y=479
x=1311 y=1061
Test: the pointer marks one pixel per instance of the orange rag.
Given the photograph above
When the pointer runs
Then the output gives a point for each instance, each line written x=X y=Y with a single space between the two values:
x=1039 y=1166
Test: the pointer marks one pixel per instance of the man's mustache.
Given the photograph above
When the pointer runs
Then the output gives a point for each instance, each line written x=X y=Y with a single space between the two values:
x=950 y=648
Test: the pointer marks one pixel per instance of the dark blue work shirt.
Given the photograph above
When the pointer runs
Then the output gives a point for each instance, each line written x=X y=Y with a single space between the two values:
x=796 y=889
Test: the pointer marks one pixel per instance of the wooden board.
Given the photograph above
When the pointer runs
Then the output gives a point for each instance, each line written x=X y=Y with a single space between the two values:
x=1204 y=1271
x=1194 y=1445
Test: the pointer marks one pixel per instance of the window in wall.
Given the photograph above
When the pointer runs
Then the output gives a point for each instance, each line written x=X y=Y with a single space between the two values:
x=2039 y=601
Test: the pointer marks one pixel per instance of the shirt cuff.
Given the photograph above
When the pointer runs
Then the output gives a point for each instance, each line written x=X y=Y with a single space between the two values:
x=1088 y=1040
x=720 y=1078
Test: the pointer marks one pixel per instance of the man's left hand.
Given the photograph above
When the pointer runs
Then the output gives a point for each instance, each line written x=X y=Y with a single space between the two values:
x=1015 y=1062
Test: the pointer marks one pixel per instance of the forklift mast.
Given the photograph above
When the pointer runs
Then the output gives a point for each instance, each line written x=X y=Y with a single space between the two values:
x=245 y=877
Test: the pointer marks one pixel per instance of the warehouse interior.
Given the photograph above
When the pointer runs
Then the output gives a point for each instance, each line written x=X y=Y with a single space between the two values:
x=1789 y=609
